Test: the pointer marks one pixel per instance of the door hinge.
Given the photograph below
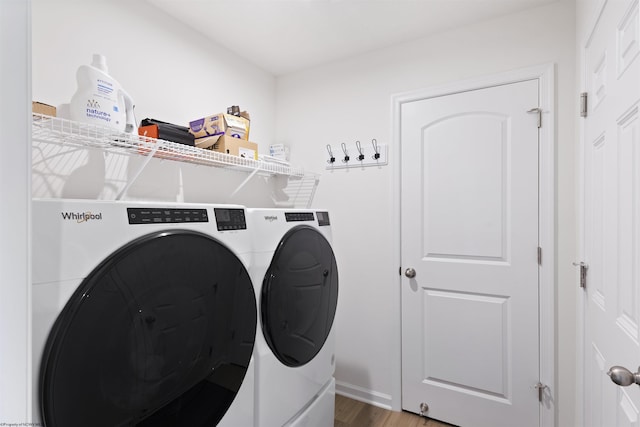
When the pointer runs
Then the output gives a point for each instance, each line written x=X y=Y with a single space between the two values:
x=583 y=104
x=541 y=387
x=539 y=112
x=539 y=255
x=583 y=273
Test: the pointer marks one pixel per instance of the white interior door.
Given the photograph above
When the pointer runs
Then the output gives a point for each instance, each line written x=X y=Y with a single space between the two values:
x=612 y=214
x=469 y=214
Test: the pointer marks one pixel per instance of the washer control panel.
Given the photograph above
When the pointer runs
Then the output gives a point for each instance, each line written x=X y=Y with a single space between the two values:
x=165 y=215
x=230 y=219
x=298 y=216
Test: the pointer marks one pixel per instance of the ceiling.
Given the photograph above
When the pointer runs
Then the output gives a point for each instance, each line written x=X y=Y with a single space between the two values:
x=283 y=36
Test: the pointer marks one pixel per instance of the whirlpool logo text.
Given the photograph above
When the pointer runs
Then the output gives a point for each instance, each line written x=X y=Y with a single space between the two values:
x=81 y=216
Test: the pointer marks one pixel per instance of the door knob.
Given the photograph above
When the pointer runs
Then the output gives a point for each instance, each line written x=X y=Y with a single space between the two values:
x=623 y=377
x=410 y=273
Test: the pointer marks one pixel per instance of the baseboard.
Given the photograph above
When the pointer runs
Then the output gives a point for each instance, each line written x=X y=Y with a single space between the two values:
x=361 y=394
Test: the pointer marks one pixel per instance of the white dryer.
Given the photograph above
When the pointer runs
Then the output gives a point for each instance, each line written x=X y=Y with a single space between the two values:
x=143 y=314
x=295 y=276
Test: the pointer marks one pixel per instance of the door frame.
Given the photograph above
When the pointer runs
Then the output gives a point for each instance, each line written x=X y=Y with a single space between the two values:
x=545 y=74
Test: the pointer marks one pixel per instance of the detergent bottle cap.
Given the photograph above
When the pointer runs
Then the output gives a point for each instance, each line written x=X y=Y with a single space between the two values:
x=100 y=62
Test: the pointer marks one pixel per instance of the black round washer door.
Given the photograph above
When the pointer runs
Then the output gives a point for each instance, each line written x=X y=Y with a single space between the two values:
x=159 y=334
x=299 y=296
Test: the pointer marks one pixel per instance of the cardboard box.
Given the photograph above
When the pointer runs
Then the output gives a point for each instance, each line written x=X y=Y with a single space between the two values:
x=45 y=109
x=220 y=124
x=236 y=147
x=207 y=141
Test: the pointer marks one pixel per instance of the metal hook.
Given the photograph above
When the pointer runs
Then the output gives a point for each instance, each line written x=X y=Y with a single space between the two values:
x=376 y=155
x=359 y=147
x=346 y=154
x=332 y=159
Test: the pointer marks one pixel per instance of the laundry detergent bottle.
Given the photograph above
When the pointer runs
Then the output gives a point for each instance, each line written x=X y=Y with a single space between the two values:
x=100 y=100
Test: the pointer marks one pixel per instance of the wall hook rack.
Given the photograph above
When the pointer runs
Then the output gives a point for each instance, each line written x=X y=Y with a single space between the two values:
x=368 y=155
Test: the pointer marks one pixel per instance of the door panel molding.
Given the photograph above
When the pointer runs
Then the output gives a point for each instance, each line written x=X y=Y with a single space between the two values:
x=546 y=77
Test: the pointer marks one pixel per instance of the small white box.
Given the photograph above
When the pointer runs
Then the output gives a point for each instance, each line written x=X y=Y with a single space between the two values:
x=279 y=151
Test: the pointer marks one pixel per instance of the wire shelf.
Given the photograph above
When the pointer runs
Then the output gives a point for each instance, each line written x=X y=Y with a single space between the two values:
x=60 y=147
x=68 y=132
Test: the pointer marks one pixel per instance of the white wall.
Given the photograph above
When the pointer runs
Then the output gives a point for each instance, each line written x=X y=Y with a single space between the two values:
x=173 y=73
x=351 y=100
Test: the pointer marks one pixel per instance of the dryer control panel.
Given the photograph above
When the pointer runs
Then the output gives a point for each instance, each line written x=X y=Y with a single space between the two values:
x=323 y=218
x=230 y=219
x=165 y=215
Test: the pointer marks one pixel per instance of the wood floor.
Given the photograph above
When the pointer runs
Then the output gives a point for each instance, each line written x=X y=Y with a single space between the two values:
x=352 y=413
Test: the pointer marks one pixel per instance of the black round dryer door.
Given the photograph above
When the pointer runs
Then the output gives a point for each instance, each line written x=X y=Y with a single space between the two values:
x=299 y=296
x=159 y=334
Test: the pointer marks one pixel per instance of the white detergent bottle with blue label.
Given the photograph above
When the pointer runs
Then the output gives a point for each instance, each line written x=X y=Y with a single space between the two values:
x=100 y=100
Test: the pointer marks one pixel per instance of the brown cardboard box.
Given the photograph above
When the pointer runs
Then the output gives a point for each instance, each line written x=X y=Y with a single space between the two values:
x=207 y=141
x=45 y=109
x=236 y=147
x=220 y=124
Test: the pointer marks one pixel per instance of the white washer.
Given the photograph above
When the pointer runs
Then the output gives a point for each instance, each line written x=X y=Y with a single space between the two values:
x=143 y=314
x=295 y=276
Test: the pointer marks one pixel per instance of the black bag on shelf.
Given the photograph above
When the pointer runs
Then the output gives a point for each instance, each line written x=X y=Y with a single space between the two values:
x=166 y=131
